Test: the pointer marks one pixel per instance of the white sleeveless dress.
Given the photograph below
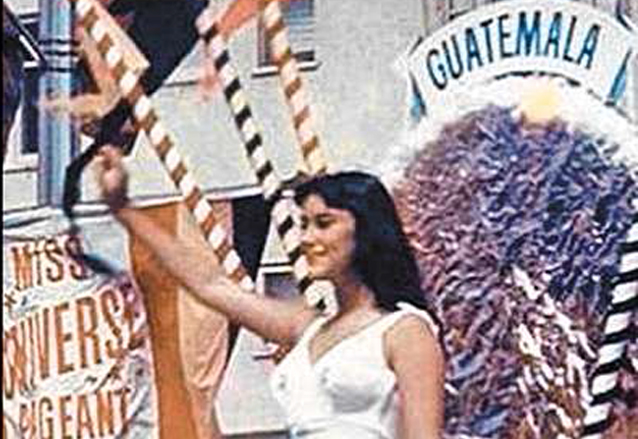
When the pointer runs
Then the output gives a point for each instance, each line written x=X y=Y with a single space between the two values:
x=349 y=392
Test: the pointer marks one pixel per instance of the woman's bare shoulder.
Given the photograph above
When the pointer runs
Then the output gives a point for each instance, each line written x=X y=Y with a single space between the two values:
x=412 y=335
x=411 y=326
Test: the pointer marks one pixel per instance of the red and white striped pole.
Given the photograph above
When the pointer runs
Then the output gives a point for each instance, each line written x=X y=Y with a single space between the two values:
x=147 y=120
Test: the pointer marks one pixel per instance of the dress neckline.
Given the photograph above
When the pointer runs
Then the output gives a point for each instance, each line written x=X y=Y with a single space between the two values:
x=345 y=339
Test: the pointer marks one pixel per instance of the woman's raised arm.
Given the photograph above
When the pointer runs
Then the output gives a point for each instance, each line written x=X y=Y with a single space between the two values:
x=196 y=267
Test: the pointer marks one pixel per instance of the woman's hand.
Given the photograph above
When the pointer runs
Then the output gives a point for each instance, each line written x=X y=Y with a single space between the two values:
x=112 y=177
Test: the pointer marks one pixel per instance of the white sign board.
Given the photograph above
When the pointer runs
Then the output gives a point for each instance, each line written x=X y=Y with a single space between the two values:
x=563 y=38
x=76 y=356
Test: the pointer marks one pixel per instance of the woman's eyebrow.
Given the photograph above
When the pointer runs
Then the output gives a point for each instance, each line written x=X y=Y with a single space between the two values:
x=317 y=216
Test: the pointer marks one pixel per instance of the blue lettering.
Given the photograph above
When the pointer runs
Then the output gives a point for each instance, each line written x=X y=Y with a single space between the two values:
x=439 y=82
x=529 y=35
x=455 y=71
x=488 y=38
x=568 y=41
x=473 y=53
x=589 y=46
x=553 y=38
x=503 y=35
x=450 y=61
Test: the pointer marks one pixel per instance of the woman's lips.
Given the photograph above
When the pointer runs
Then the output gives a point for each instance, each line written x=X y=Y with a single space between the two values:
x=315 y=252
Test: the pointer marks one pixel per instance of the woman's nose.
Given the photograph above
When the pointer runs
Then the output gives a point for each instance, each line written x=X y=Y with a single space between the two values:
x=307 y=236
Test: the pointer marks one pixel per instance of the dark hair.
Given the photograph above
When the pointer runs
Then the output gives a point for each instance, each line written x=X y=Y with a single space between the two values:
x=383 y=259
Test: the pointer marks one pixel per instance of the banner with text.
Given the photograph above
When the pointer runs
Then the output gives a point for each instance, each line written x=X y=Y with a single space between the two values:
x=575 y=41
x=77 y=360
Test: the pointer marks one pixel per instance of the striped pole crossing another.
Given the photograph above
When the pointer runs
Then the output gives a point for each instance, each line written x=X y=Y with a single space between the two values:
x=283 y=211
x=241 y=112
x=294 y=90
x=147 y=120
x=618 y=331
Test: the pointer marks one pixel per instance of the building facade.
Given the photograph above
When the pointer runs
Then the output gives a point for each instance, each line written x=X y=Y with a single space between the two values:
x=348 y=52
x=348 y=60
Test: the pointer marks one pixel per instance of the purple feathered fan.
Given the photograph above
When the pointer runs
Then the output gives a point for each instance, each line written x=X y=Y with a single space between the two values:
x=520 y=215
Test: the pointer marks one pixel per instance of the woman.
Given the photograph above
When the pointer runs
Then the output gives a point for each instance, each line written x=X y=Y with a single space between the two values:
x=375 y=369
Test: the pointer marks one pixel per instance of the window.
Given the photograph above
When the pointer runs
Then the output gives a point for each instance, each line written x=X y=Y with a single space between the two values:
x=278 y=281
x=299 y=16
x=23 y=144
x=460 y=7
x=30 y=112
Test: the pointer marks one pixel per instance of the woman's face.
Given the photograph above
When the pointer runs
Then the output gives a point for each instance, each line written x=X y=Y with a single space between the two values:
x=328 y=239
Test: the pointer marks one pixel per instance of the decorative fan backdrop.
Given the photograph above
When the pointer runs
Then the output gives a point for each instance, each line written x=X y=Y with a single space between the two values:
x=517 y=200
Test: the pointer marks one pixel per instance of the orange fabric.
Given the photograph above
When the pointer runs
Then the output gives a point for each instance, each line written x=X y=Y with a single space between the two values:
x=189 y=340
x=174 y=414
x=238 y=14
x=203 y=336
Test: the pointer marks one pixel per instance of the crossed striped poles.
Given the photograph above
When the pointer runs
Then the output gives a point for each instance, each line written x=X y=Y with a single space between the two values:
x=147 y=120
x=294 y=90
x=618 y=331
x=269 y=181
